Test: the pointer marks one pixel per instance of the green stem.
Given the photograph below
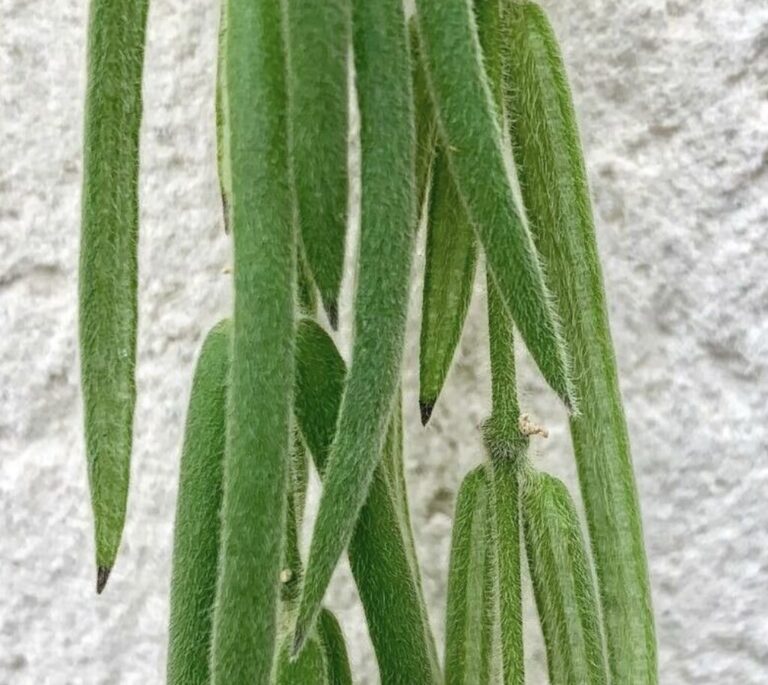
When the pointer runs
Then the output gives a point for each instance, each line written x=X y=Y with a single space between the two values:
x=506 y=407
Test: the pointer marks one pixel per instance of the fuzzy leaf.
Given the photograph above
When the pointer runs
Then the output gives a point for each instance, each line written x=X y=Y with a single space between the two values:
x=448 y=277
x=198 y=505
x=260 y=397
x=291 y=569
x=307 y=294
x=108 y=261
x=562 y=583
x=556 y=194
x=470 y=612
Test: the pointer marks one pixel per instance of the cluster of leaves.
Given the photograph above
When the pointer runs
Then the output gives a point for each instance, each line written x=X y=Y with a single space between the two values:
x=465 y=117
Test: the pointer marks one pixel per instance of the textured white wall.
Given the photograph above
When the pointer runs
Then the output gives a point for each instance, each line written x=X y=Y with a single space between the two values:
x=673 y=99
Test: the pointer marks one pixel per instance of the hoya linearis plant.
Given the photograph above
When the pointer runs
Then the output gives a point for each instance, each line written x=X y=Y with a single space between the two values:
x=467 y=128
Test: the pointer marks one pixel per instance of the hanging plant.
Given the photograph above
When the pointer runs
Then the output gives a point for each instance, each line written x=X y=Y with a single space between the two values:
x=466 y=119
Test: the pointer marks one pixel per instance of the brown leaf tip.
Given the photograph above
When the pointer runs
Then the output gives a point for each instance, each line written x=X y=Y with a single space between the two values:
x=102 y=576
x=426 y=411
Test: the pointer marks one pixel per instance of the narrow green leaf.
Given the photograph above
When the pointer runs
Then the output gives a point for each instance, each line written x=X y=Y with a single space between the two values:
x=223 y=155
x=562 y=583
x=556 y=193
x=318 y=44
x=384 y=91
x=471 y=132
x=198 y=505
x=332 y=639
x=260 y=397
x=470 y=614
x=380 y=551
x=449 y=273
x=310 y=668
x=108 y=261
x=393 y=464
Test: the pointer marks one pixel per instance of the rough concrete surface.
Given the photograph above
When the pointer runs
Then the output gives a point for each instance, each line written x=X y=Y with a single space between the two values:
x=673 y=100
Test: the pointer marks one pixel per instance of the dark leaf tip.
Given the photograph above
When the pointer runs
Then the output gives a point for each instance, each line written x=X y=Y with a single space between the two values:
x=102 y=576
x=426 y=411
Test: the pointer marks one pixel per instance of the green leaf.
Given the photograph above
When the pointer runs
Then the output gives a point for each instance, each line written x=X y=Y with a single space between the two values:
x=260 y=398
x=198 y=505
x=292 y=570
x=470 y=612
x=108 y=261
x=426 y=123
x=556 y=194
x=449 y=273
x=307 y=294
x=562 y=583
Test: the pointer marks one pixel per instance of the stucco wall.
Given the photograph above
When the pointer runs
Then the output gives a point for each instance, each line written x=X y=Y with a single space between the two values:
x=673 y=100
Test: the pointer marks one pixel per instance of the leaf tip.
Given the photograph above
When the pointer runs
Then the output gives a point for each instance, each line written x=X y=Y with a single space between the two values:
x=426 y=411
x=102 y=576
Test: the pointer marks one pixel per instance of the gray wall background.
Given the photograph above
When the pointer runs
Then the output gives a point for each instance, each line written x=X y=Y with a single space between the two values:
x=673 y=100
